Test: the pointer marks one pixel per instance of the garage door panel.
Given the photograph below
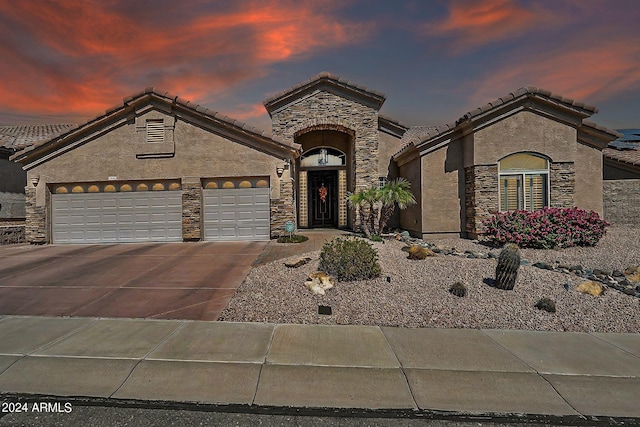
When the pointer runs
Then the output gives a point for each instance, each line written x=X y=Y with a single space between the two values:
x=117 y=217
x=236 y=214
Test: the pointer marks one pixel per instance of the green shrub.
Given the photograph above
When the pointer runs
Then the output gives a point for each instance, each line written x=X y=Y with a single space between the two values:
x=296 y=238
x=546 y=228
x=349 y=259
x=375 y=238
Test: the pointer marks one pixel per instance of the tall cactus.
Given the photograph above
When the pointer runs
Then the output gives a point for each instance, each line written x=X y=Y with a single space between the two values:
x=507 y=268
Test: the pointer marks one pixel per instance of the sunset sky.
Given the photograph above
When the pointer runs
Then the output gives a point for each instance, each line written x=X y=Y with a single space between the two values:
x=69 y=60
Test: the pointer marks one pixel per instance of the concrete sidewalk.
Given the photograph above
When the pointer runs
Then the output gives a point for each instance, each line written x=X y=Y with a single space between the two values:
x=572 y=375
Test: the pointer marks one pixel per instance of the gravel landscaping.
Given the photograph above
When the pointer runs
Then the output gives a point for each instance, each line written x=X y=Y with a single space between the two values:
x=415 y=293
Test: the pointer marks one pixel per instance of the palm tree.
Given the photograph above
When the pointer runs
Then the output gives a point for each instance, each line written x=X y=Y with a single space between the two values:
x=395 y=192
x=376 y=205
x=359 y=202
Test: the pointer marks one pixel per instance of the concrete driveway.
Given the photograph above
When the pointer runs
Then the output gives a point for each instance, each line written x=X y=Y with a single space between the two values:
x=157 y=280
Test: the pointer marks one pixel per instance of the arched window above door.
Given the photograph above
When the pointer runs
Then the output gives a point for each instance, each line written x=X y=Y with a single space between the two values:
x=323 y=156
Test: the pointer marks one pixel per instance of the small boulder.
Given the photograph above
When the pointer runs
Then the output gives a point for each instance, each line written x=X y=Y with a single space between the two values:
x=546 y=304
x=633 y=274
x=419 y=252
x=297 y=262
x=591 y=288
x=319 y=282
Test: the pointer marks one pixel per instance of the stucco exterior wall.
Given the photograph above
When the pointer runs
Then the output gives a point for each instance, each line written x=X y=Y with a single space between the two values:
x=524 y=131
x=588 y=184
x=443 y=190
x=410 y=218
x=198 y=153
x=387 y=146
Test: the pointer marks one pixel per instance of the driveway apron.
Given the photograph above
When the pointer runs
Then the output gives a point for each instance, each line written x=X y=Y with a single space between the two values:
x=191 y=281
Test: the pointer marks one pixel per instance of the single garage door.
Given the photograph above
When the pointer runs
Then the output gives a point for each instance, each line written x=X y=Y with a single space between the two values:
x=236 y=214
x=146 y=216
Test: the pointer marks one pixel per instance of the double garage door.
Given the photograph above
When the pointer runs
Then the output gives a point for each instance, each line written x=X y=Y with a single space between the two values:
x=156 y=216
x=150 y=216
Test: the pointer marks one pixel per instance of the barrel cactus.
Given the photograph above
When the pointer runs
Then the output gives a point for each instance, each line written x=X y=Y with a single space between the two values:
x=507 y=268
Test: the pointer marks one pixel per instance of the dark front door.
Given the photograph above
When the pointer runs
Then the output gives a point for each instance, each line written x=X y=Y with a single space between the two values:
x=323 y=194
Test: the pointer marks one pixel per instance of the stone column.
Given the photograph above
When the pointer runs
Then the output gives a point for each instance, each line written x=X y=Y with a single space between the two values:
x=35 y=219
x=481 y=197
x=191 y=209
x=562 y=183
x=283 y=208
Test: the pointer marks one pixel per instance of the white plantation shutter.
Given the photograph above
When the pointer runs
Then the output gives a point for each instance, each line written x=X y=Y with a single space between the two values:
x=510 y=199
x=535 y=191
x=155 y=131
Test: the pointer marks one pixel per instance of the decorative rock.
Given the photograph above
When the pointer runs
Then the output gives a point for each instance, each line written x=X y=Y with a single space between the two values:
x=297 y=262
x=633 y=274
x=630 y=291
x=591 y=288
x=419 y=252
x=542 y=265
x=576 y=268
x=617 y=273
x=319 y=282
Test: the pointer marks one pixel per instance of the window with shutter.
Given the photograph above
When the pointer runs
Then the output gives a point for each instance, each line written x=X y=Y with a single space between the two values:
x=523 y=182
x=155 y=131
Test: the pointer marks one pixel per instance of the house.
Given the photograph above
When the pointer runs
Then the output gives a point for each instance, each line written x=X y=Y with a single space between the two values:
x=160 y=168
x=12 y=178
x=621 y=185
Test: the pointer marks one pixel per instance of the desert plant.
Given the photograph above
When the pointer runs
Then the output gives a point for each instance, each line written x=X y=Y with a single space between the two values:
x=546 y=304
x=507 y=268
x=375 y=238
x=349 y=259
x=546 y=228
x=394 y=192
x=458 y=289
x=419 y=252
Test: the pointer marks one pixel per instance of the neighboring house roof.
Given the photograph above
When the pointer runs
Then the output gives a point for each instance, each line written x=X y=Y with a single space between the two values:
x=330 y=83
x=505 y=103
x=625 y=149
x=17 y=137
x=185 y=109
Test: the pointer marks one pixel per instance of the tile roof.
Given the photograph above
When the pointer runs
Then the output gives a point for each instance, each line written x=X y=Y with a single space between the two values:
x=276 y=100
x=625 y=149
x=189 y=106
x=531 y=91
x=17 y=137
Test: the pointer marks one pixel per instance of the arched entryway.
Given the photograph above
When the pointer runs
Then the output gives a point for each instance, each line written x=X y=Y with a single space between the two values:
x=325 y=171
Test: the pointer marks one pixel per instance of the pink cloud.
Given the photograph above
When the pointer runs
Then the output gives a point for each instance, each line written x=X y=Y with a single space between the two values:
x=591 y=74
x=82 y=57
x=473 y=23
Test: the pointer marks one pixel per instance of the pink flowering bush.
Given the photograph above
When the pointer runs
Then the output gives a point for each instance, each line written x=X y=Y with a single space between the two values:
x=546 y=228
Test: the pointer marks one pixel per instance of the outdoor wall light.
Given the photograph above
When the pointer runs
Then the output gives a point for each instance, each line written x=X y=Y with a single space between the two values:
x=34 y=180
x=279 y=171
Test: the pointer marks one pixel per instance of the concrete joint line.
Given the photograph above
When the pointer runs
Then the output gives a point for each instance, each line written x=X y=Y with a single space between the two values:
x=404 y=374
x=178 y=329
x=63 y=337
x=613 y=345
x=264 y=362
x=537 y=373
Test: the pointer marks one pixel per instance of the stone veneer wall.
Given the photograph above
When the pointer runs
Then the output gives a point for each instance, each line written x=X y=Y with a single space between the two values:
x=36 y=219
x=191 y=211
x=622 y=202
x=283 y=208
x=481 y=196
x=562 y=183
x=10 y=234
x=324 y=109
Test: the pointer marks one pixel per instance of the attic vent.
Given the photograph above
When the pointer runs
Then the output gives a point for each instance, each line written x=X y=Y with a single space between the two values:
x=155 y=131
